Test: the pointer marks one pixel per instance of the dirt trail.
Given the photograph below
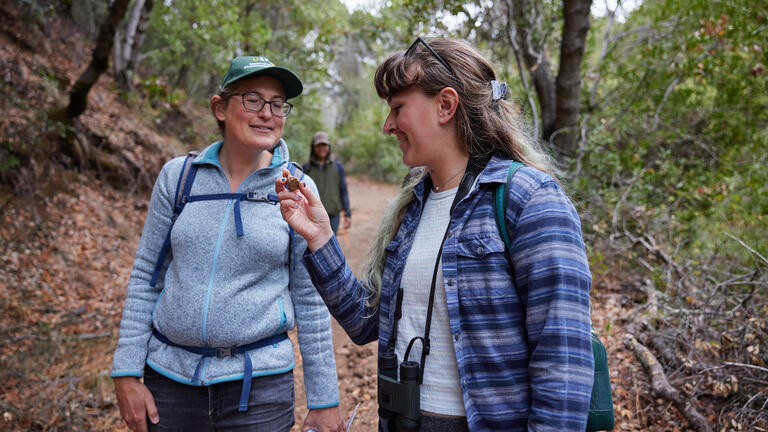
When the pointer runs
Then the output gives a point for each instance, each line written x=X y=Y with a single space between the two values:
x=356 y=365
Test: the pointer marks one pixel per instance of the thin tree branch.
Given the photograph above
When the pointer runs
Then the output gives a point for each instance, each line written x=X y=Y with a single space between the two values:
x=512 y=37
x=663 y=100
x=747 y=247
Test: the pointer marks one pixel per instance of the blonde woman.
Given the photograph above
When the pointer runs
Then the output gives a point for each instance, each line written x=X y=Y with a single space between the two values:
x=203 y=343
x=497 y=339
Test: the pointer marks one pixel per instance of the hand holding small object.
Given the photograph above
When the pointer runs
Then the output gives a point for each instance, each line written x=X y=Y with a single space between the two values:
x=303 y=210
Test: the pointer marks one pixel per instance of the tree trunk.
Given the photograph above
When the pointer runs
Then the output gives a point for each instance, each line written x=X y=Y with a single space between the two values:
x=532 y=59
x=526 y=19
x=125 y=55
x=78 y=98
x=121 y=51
x=544 y=84
x=141 y=31
x=538 y=62
x=568 y=83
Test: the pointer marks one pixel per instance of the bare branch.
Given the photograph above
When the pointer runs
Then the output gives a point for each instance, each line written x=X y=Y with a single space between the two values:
x=663 y=100
x=603 y=52
x=744 y=365
x=747 y=247
x=512 y=37
x=661 y=386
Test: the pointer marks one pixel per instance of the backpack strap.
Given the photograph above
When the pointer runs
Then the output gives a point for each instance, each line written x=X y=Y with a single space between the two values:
x=294 y=167
x=499 y=208
x=500 y=205
x=183 y=187
x=205 y=352
x=601 y=402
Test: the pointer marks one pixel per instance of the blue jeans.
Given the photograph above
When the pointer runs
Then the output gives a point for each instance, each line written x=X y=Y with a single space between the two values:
x=214 y=408
x=335 y=222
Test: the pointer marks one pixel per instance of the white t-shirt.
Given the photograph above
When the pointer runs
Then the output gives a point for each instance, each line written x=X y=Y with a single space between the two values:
x=440 y=391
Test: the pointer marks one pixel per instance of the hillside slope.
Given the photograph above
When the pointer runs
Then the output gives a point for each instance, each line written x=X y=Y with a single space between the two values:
x=120 y=139
x=69 y=228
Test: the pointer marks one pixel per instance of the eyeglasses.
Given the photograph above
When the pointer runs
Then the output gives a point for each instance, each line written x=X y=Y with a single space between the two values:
x=254 y=102
x=434 y=53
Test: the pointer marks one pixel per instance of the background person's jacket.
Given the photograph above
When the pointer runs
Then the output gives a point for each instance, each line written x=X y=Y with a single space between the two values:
x=221 y=290
x=331 y=183
x=521 y=368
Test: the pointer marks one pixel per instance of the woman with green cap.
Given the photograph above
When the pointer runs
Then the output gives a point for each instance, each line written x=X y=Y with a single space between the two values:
x=215 y=287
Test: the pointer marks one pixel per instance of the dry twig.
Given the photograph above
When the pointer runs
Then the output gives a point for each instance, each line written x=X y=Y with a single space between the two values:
x=661 y=386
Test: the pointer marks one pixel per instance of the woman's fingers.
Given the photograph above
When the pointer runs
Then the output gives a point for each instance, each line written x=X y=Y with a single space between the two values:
x=152 y=412
x=299 y=195
x=304 y=212
x=136 y=403
x=285 y=196
x=312 y=199
x=284 y=192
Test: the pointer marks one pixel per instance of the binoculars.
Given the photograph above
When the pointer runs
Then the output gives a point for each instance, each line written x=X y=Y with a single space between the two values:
x=399 y=399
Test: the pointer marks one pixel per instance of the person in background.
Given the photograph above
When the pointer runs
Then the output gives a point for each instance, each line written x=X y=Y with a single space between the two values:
x=208 y=333
x=508 y=330
x=331 y=182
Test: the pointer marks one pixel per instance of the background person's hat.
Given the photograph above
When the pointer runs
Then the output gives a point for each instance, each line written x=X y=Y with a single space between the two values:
x=320 y=138
x=250 y=66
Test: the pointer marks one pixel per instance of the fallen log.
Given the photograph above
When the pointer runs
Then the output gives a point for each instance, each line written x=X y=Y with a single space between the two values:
x=661 y=387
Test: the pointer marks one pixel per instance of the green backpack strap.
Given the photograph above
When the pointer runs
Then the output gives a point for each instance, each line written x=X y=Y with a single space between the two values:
x=601 y=404
x=500 y=204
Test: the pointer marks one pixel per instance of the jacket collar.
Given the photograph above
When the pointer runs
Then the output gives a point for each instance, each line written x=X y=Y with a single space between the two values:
x=210 y=155
x=327 y=160
x=494 y=172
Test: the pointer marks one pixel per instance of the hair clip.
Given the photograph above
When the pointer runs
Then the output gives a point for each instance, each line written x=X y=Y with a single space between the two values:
x=499 y=90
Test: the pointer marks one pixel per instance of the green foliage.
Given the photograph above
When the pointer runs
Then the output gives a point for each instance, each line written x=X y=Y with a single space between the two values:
x=367 y=149
x=8 y=161
x=88 y=14
x=191 y=43
x=157 y=92
x=672 y=185
x=682 y=112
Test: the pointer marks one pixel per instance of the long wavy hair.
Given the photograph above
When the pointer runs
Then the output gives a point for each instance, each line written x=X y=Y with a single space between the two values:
x=485 y=126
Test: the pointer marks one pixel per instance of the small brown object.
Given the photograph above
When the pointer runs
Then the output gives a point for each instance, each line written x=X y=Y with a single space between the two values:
x=292 y=183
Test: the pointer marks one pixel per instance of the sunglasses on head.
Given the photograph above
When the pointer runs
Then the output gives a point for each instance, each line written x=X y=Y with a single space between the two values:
x=434 y=53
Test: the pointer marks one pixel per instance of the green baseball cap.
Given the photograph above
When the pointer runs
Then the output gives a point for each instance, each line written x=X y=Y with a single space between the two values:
x=250 y=66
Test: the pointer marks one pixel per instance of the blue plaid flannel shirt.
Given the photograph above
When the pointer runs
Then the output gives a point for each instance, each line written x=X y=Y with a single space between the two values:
x=525 y=361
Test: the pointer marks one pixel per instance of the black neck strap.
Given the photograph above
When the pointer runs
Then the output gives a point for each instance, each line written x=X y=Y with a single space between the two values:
x=475 y=165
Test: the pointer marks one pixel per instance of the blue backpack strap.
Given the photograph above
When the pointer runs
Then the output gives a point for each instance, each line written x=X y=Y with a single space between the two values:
x=183 y=187
x=293 y=168
x=205 y=352
x=222 y=196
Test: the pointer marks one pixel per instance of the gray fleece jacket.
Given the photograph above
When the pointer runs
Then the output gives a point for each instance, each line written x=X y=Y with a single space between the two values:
x=220 y=290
